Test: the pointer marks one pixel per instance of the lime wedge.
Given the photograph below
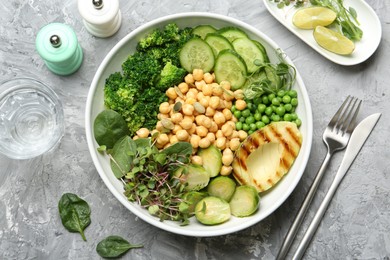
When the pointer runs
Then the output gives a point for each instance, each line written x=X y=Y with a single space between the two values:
x=333 y=41
x=310 y=17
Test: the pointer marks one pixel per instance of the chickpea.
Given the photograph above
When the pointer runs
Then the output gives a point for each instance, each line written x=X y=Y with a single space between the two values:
x=238 y=94
x=234 y=144
x=188 y=109
x=240 y=104
x=214 y=127
x=199 y=118
x=228 y=104
x=227 y=159
x=227 y=113
x=208 y=78
x=154 y=132
x=176 y=128
x=221 y=105
x=192 y=93
x=219 y=118
x=190 y=100
x=242 y=135
x=206 y=122
x=200 y=84
x=162 y=139
x=204 y=143
x=214 y=102
x=194 y=140
x=183 y=87
x=161 y=116
x=176 y=118
x=232 y=124
x=226 y=170
x=196 y=160
x=159 y=126
x=219 y=134
x=225 y=84
x=204 y=101
x=143 y=132
x=210 y=111
x=136 y=137
x=164 y=108
x=220 y=142
x=201 y=131
x=186 y=123
x=189 y=79
x=173 y=139
x=171 y=93
x=227 y=151
x=228 y=95
x=182 y=135
x=191 y=117
x=200 y=95
x=198 y=74
x=192 y=130
x=211 y=137
x=227 y=130
x=235 y=134
x=207 y=90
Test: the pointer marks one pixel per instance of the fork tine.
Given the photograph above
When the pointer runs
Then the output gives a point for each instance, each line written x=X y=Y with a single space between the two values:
x=336 y=116
x=351 y=124
x=345 y=118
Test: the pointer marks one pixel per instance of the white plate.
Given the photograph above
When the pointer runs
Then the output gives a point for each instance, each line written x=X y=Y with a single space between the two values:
x=369 y=24
x=269 y=201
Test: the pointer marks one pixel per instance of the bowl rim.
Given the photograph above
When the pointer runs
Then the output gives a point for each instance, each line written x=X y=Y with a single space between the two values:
x=156 y=222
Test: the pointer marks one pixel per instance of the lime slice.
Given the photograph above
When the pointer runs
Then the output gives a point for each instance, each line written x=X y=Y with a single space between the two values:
x=333 y=41
x=310 y=17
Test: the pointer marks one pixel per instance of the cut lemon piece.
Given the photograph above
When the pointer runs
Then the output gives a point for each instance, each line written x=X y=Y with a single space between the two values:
x=310 y=17
x=333 y=41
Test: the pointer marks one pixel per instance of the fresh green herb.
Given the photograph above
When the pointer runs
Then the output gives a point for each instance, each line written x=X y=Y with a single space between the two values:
x=270 y=78
x=114 y=246
x=75 y=213
x=122 y=156
x=109 y=127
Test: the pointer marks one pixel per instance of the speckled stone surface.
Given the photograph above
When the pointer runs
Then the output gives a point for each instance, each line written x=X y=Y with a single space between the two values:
x=356 y=225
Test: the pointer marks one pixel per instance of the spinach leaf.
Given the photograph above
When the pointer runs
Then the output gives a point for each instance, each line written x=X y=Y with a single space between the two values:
x=114 y=246
x=179 y=148
x=109 y=127
x=75 y=213
x=122 y=156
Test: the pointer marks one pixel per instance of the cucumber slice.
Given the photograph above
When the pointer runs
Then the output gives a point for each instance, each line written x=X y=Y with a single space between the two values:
x=232 y=33
x=231 y=67
x=249 y=51
x=218 y=43
x=203 y=30
x=196 y=54
x=263 y=50
x=212 y=160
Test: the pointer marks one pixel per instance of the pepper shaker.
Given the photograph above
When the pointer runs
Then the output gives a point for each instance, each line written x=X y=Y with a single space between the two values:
x=101 y=18
x=58 y=46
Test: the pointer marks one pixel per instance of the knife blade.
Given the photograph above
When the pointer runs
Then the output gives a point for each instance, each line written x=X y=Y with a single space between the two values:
x=356 y=142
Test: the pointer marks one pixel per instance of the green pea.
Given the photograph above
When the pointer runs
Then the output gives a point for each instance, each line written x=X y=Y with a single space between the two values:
x=239 y=125
x=294 y=116
x=294 y=102
x=286 y=99
x=245 y=127
x=233 y=109
x=271 y=96
x=250 y=132
x=280 y=111
x=288 y=107
x=275 y=118
x=250 y=120
x=298 y=122
x=274 y=108
x=257 y=101
x=265 y=100
x=292 y=93
x=253 y=127
x=265 y=119
x=249 y=105
x=268 y=111
x=246 y=113
x=281 y=93
x=275 y=102
x=261 y=108
x=242 y=119
x=257 y=116
x=287 y=117
x=237 y=113
x=260 y=124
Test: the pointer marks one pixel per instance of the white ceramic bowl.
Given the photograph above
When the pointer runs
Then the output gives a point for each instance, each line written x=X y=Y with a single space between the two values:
x=269 y=202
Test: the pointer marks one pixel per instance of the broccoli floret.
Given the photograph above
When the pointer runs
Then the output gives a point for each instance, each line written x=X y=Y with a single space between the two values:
x=170 y=76
x=159 y=37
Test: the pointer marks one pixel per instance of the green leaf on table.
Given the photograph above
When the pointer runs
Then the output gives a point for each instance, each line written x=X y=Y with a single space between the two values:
x=114 y=246
x=75 y=213
x=122 y=156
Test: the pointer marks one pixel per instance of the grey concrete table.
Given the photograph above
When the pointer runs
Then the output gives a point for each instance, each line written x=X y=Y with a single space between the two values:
x=356 y=225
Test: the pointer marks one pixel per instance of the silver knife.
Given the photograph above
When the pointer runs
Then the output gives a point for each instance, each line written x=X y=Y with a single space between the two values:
x=358 y=137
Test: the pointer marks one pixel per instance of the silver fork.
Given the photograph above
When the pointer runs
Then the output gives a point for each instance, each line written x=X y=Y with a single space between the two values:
x=336 y=137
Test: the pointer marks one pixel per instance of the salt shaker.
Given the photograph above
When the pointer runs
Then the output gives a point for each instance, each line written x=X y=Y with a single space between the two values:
x=58 y=46
x=102 y=18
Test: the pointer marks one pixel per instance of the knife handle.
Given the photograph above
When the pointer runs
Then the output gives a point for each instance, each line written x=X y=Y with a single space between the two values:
x=318 y=217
